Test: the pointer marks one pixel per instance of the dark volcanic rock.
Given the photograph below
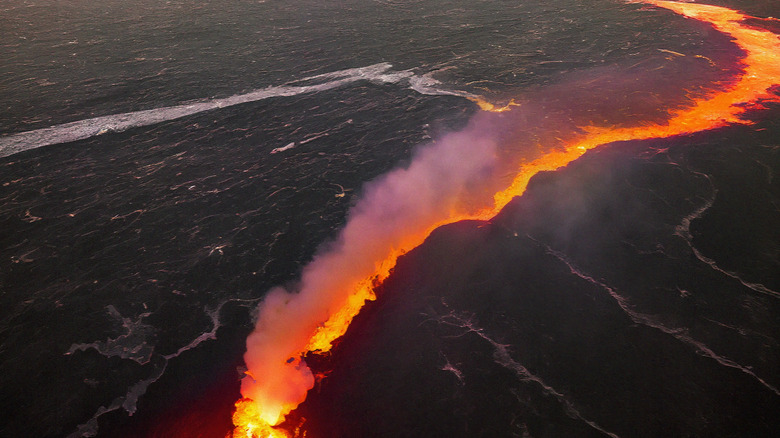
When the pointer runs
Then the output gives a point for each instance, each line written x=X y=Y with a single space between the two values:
x=587 y=308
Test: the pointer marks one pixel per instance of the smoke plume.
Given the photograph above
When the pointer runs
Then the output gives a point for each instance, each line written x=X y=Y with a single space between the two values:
x=465 y=175
x=446 y=178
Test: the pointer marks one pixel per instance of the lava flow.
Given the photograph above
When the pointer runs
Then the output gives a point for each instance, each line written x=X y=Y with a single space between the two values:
x=398 y=211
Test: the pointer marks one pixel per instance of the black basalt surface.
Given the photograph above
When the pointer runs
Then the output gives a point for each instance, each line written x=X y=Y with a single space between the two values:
x=588 y=307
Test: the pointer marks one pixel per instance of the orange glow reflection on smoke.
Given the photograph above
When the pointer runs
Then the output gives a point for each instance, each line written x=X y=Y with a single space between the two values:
x=761 y=72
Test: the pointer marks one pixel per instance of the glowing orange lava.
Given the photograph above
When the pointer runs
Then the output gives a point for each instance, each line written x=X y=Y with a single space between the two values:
x=484 y=105
x=255 y=418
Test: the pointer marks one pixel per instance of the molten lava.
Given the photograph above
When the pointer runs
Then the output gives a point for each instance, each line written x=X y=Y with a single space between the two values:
x=278 y=378
x=250 y=424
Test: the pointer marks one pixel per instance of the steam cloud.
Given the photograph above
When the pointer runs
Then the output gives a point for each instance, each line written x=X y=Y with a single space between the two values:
x=458 y=176
x=443 y=178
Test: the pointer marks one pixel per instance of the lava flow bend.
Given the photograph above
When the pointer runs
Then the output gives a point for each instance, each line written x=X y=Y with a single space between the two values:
x=398 y=211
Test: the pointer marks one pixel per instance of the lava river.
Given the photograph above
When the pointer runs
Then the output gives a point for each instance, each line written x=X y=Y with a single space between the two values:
x=473 y=174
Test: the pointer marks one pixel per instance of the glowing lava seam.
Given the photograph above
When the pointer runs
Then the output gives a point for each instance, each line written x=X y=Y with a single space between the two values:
x=278 y=378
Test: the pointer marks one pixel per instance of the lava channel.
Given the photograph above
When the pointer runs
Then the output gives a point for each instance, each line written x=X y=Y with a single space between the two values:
x=342 y=277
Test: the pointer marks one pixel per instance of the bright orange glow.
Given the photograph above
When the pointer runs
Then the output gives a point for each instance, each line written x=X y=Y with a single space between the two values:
x=484 y=105
x=250 y=425
x=762 y=72
x=268 y=401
